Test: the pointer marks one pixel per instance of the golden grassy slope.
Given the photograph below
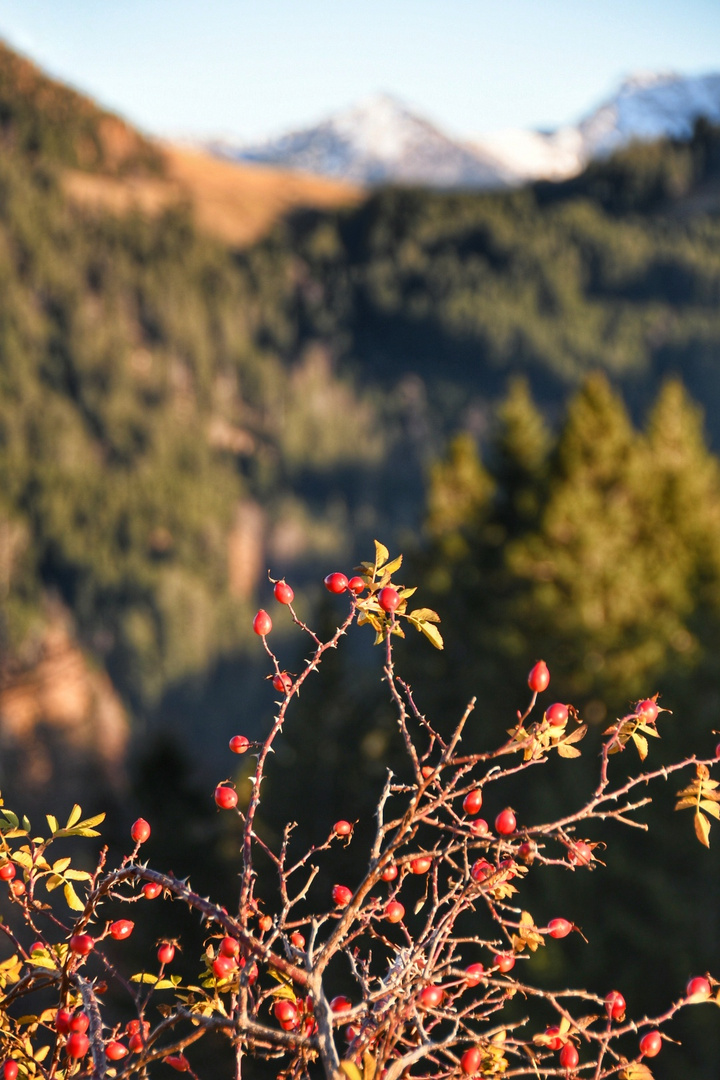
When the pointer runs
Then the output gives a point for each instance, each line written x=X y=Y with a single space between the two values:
x=238 y=203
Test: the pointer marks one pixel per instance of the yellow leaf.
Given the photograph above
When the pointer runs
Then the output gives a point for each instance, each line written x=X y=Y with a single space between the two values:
x=381 y=554
x=75 y=815
x=432 y=634
x=392 y=567
x=642 y=745
x=349 y=1067
x=711 y=808
x=567 y=751
x=52 y=822
x=42 y=1053
x=685 y=803
x=369 y=1066
x=702 y=829
x=144 y=977
x=72 y=899
x=61 y=864
x=424 y=614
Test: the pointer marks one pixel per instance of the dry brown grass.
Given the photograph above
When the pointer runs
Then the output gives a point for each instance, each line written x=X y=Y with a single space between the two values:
x=237 y=203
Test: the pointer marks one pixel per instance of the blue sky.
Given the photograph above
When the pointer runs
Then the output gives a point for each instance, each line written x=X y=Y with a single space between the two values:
x=254 y=67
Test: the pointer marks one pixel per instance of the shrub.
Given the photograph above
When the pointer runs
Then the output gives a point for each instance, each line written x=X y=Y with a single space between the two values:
x=436 y=938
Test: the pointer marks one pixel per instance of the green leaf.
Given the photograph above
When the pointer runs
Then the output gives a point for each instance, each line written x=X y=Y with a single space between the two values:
x=75 y=815
x=73 y=900
x=432 y=634
x=12 y=819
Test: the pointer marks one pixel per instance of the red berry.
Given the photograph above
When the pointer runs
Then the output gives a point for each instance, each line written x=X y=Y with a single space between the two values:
x=390 y=872
x=341 y=895
x=283 y=593
x=336 y=583
x=481 y=869
x=140 y=831
x=285 y=1010
x=474 y=974
x=121 y=929
x=10 y=1070
x=151 y=890
x=651 y=1044
x=699 y=989
x=229 y=946
x=527 y=851
x=62 y=1021
x=77 y=1045
x=553 y=1036
x=81 y=944
x=115 y=1050
x=7 y=871
x=470 y=1061
x=427 y=771
x=17 y=888
x=226 y=797
x=135 y=1042
x=166 y=952
x=647 y=710
x=239 y=744
x=505 y=822
x=37 y=946
x=539 y=677
x=265 y=923
x=504 y=962
x=569 y=1056
x=262 y=623
x=351 y=1033
x=388 y=599
x=222 y=966
x=480 y=826
x=341 y=1004
x=615 y=1005
x=178 y=1062
x=79 y=1022
x=282 y=682
x=356 y=585
x=580 y=853
x=421 y=865
x=472 y=801
x=297 y=939
x=557 y=714
x=717 y=750
x=133 y=1027
x=431 y=997
x=559 y=928
x=394 y=911
x=342 y=828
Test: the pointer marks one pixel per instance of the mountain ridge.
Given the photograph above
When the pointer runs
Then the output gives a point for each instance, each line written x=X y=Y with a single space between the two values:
x=382 y=140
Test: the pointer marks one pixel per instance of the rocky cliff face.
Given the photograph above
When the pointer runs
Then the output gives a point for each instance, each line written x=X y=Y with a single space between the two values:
x=63 y=728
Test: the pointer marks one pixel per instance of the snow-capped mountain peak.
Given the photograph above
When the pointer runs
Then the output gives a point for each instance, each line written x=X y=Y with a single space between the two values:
x=382 y=140
x=379 y=140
